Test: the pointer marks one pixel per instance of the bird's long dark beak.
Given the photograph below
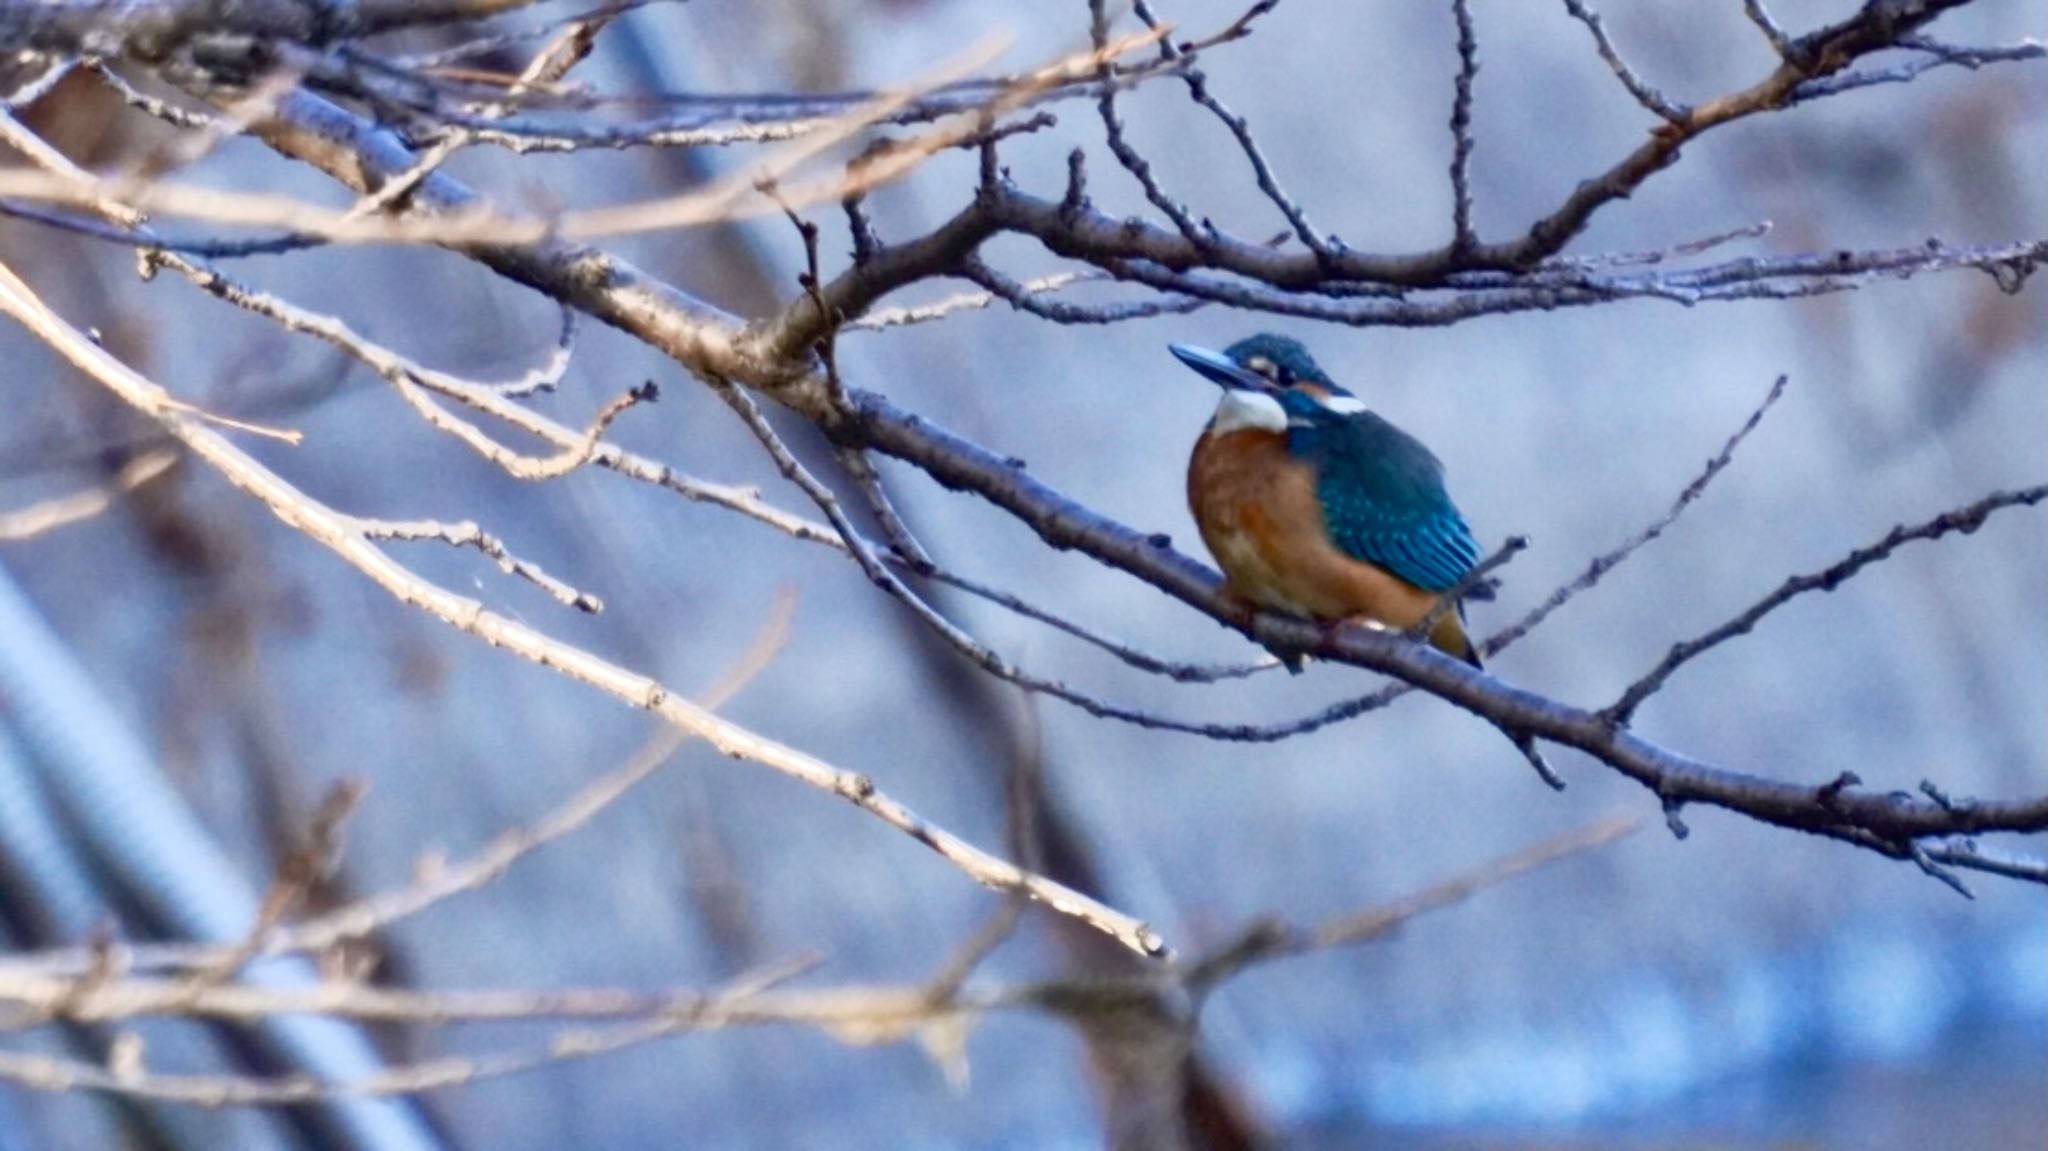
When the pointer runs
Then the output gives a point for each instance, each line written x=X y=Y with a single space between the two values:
x=1216 y=366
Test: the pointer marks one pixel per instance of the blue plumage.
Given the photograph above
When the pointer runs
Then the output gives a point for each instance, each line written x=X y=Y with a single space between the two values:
x=1382 y=493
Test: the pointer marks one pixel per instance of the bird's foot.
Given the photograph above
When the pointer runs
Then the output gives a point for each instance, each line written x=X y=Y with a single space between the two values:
x=1329 y=631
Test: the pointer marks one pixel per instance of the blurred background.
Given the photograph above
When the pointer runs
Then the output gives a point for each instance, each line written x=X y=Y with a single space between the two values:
x=1745 y=987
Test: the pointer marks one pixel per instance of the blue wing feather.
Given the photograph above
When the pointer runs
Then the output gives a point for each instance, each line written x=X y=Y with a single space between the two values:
x=1383 y=497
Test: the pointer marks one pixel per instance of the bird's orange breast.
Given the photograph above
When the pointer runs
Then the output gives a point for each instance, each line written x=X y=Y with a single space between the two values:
x=1258 y=512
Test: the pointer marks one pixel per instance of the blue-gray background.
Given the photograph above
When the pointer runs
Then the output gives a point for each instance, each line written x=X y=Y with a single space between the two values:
x=1747 y=984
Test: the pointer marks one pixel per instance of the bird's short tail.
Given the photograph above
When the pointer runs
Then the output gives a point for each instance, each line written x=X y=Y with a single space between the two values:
x=1449 y=636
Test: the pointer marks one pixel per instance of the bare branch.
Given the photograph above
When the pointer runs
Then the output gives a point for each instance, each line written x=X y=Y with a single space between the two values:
x=62 y=511
x=1462 y=238
x=1818 y=54
x=39 y=85
x=1781 y=43
x=341 y=535
x=1063 y=523
x=1144 y=661
x=1132 y=160
x=135 y=1080
x=1693 y=247
x=1938 y=56
x=567 y=49
x=1031 y=296
x=878 y=573
x=724 y=200
x=852 y=1014
x=547 y=375
x=155 y=30
x=1269 y=941
x=151 y=106
x=1608 y=561
x=1967 y=853
x=1324 y=249
x=574 y=448
x=468 y=535
x=1644 y=94
x=1965 y=519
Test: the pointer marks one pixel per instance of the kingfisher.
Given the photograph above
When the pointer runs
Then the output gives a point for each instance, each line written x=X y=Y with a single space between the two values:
x=1316 y=506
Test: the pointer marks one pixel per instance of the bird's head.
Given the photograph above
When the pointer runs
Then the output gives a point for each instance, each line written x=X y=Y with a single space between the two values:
x=1268 y=381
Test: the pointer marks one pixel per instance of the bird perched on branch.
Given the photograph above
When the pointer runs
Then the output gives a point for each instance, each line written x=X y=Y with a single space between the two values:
x=1315 y=506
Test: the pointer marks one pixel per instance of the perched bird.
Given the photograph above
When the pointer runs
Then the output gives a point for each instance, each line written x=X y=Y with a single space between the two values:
x=1315 y=506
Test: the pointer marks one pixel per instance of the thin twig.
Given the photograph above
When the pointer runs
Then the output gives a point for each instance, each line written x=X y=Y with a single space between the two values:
x=879 y=573
x=62 y=511
x=1462 y=238
x=568 y=48
x=1608 y=561
x=39 y=85
x=339 y=534
x=1448 y=600
x=1965 y=519
x=1644 y=94
x=1323 y=248
x=468 y=535
x=1030 y=296
x=1780 y=42
x=1133 y=161
x=1266 y=942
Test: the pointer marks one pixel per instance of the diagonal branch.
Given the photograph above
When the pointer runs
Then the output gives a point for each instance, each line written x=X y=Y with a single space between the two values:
x=1965 y=519
x=1609 y=560
x=1321 y=247
x=772 y=357
x=344 y=536
x=1644 y=94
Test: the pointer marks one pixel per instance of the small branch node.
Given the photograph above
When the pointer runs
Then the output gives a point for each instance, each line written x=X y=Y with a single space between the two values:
x=1945 y=874
x=1829 y=793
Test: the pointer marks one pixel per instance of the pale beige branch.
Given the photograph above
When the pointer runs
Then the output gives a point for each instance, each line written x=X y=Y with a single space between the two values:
x=62 y=511
x=413 y=381
x=941 y=1011
x=732 y=198
x=437 y=880
x=496 y=401
x=467 y=534
x=131 y=1076
x=340 y=534
x=564 y=51
x=907 y=315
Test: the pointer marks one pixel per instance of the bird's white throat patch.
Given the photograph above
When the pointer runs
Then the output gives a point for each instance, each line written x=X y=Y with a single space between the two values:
x=1242 y=409
x=1342 y=405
